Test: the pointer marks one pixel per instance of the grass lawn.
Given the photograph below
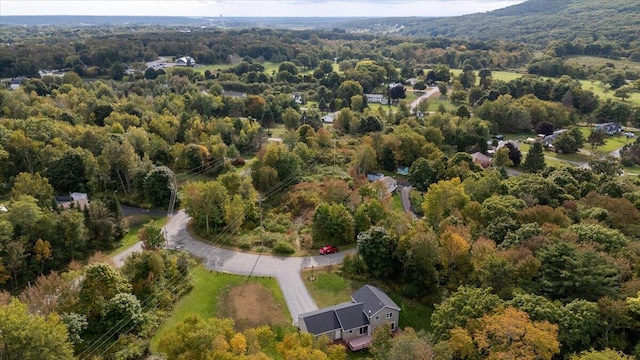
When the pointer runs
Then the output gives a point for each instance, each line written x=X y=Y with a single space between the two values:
x=132 y=236
x=330 y=288
x=278 y=131
x=185 y=176
x=434 y=103
x=210 y=297
x=633 y=170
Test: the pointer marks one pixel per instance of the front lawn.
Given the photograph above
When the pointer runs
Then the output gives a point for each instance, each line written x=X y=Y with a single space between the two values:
x=217 y=294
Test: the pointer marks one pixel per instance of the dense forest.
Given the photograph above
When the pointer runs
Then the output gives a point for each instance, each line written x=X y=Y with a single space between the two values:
x=608 y=28
x=531 y=257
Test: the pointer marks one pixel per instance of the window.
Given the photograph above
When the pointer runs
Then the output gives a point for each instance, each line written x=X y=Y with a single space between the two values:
x=363 y=330
x=389 y=315
x=393 y=326
x=377 y=317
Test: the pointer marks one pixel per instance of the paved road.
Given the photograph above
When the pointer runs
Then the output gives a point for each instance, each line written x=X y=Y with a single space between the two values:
x=285 y=269
x=405 y=196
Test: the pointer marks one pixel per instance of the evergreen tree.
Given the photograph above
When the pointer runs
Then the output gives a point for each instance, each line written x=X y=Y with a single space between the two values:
x=534 y=161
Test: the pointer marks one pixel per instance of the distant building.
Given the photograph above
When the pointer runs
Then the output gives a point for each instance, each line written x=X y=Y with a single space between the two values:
x=402 y=170
x=375 y=176
x=375 y=98
x=610 y=127
x=549 y=139
x=79 y=200
x=329 y=118
x=16 y=82
x=390 y=183
x=481 y=159
x=185 y=61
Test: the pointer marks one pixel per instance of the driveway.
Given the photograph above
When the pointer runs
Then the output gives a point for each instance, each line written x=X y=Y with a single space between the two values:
x=405 y=196
x=285 y=269
x=426 y=95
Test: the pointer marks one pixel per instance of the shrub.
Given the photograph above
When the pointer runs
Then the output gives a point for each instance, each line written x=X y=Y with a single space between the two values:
x=283 y=248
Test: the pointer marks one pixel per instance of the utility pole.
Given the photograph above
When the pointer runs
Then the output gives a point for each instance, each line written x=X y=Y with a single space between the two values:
x=260 y=199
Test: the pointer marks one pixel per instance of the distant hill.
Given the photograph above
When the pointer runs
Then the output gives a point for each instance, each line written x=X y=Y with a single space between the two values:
x=534 y=22
x=183 y=21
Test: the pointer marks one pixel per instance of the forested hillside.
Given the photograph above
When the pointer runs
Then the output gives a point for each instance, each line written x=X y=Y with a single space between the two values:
x=534 y=21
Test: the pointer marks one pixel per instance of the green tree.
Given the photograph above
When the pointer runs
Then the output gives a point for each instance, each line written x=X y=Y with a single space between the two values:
x=567 y=273
x=501 y=158
x=347 y=90
x=68 y=173
x=420 y=252
x=421 y=175
x=443 y=199
x=204 y=202
x=332 y=224
x=26 y=336
x=606 y=354
x=121 y=309
x=158 y=186
x=33 y=185
x=569 y=141
x=291 y=118
x=464 y=305
x=100 y=284
x=597 y=138
x=151 y=236
x=364 y=160
x=534 y=162
x=377 y=248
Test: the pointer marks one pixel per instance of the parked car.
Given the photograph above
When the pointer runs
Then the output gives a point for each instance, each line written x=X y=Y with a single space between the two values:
x=329 y=249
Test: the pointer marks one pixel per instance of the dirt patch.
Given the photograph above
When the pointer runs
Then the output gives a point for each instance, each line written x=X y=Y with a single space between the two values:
x=252 y=305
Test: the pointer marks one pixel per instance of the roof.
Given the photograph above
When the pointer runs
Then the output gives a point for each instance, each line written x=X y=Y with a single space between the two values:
x=352 y=317
x=373 y=299
x=325 y=320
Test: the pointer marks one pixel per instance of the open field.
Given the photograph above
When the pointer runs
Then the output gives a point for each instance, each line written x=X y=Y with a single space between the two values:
x=597 y=62
x=596 y=87
x=330 y=288
x=250 y=302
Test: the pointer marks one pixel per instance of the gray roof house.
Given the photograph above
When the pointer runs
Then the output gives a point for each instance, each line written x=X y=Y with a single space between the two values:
x=547 y=140
x=610 y=127
x=355 y=321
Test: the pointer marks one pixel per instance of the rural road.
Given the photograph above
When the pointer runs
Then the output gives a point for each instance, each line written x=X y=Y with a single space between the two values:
x=285 y=269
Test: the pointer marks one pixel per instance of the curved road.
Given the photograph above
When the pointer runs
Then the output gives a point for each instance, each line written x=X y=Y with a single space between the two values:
x=285 y=269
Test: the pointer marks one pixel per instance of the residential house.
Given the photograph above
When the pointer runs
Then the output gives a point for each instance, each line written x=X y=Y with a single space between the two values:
x=375 y=176
x=354 y=321
x=16 y=82
x=549 y=139
x=79 y=200
x=185 y=61
x=329 y=118
x=481 y=159
x=375 y=98
x=298 y=98
x=403 y=170
x=390 y=183
x=610 y=127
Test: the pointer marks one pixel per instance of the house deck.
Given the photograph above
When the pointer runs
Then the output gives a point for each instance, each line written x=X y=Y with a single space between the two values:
x=359 y=343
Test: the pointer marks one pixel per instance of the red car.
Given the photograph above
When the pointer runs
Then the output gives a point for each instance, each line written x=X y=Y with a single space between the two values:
x=329 y=249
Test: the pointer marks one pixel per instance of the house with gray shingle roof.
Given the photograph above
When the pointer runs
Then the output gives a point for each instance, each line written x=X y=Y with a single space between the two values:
x=355 y=321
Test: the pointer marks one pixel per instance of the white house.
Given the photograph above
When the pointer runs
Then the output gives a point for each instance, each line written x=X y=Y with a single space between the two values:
x=185 y=61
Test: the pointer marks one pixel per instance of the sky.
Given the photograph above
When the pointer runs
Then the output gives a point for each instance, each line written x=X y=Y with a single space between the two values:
x=253 y=8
